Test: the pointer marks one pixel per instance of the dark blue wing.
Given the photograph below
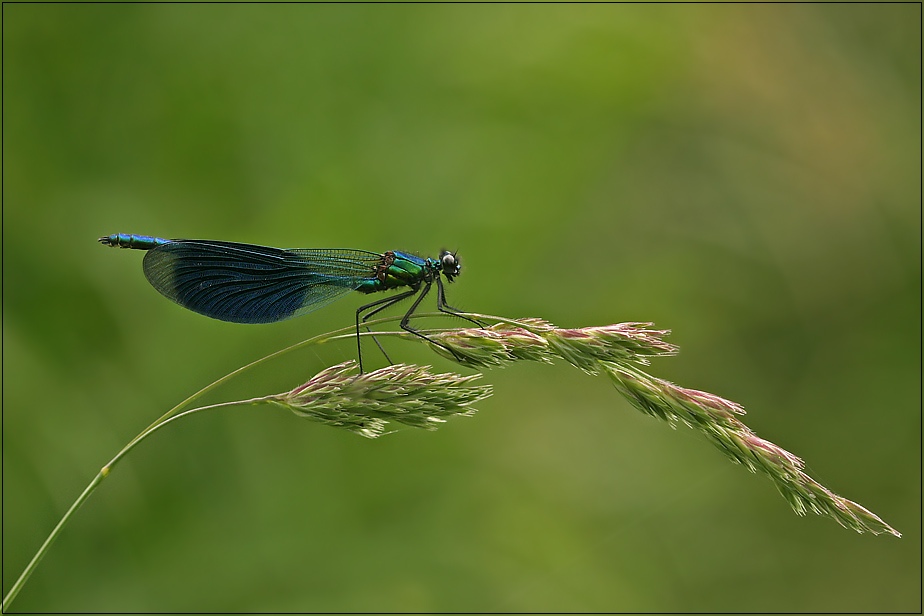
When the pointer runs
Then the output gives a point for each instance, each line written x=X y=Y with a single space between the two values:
x=244 y=283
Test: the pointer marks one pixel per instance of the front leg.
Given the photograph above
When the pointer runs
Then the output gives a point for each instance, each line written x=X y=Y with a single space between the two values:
x=442 y=306
x=405 y=322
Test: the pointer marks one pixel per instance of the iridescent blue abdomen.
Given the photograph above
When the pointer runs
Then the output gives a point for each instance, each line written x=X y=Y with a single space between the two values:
x=128 y=240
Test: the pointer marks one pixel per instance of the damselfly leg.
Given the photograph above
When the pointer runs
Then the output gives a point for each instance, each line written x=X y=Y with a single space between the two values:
x=442 y=306
x=382 y=304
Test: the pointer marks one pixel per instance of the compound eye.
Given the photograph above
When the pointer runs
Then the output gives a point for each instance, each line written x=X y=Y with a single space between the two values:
x=450 y=265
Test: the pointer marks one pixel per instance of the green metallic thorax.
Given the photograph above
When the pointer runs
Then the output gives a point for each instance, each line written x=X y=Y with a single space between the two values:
x=398 y=269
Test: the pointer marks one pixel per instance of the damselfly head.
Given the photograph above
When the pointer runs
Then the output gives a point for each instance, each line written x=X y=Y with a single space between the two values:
x=450 y=265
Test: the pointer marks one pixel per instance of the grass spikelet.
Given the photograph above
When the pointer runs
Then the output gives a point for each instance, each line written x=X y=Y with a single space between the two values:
x=717 y=419
x=538 y=340
x=616 y=351
x=365 y=403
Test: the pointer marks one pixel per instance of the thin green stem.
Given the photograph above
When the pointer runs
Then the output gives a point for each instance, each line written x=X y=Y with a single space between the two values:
x=104 y=472
x=336 y=335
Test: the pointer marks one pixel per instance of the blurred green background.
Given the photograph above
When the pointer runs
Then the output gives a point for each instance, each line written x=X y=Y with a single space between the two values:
x=748 y=176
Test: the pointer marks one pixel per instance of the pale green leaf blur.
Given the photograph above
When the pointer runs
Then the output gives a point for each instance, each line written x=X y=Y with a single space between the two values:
x=748 y=176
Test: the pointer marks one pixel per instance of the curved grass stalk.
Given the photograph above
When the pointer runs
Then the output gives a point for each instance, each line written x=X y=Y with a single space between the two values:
x=413 y=396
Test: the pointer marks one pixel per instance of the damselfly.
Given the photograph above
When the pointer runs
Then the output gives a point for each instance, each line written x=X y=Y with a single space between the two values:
x=246 y=283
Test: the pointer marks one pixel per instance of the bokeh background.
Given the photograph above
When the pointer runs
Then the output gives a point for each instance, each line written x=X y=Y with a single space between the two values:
x=748 y=176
